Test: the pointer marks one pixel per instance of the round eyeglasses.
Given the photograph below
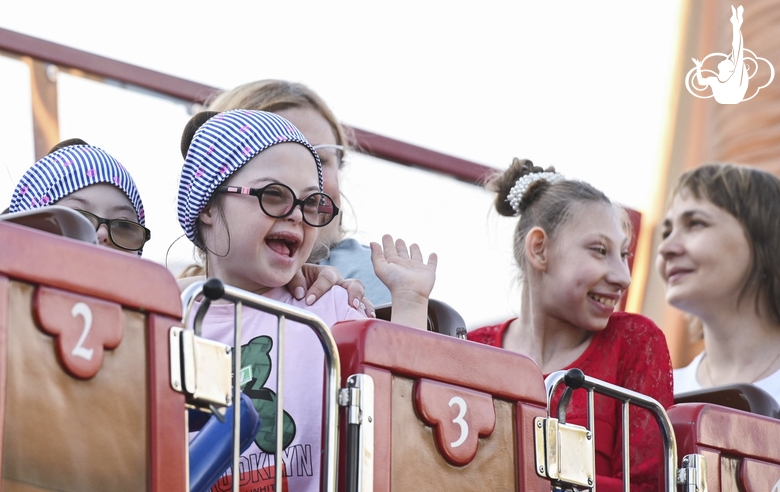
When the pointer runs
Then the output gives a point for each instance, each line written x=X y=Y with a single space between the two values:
x=125 y=234
x=279 y=201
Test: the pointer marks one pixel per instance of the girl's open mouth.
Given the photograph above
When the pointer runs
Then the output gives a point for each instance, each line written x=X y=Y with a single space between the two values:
x=284 y=243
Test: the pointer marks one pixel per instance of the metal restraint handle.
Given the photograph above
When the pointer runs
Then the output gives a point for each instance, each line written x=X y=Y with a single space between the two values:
x=213 y=290
x=576 y=379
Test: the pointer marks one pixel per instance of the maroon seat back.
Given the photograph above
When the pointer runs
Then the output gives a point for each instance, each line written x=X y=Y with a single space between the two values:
x=429 y=389
x=86 y=402
x=742 y=450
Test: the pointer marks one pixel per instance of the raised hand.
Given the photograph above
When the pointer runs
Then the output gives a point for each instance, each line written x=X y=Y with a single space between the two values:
x=409 y=278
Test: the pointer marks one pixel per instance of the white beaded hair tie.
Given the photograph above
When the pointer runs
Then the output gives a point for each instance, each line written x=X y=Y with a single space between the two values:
x=517 y=192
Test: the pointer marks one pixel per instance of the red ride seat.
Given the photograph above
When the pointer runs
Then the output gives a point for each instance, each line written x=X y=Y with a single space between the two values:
x=86 y=402
x=742 y=450
x=449 y=414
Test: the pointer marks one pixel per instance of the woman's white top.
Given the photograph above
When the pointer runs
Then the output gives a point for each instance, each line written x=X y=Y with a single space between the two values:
x=685 y=379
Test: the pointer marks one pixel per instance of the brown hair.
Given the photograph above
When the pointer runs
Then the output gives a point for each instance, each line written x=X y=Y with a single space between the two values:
x=544 y=205
x=752 y=197
x=277 y=95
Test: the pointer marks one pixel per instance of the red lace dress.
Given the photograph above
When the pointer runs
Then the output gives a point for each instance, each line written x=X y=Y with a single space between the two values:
x=630 y=352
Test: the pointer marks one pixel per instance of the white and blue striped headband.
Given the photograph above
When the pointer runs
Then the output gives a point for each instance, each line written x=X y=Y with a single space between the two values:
x=220 y=147
x=70 y=169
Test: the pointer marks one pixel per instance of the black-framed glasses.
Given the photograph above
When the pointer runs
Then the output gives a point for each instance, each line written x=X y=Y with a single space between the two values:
x=125 y=234
x=279 y=201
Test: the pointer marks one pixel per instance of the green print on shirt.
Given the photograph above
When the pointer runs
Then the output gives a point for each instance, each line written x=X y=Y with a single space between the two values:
x=256 y=367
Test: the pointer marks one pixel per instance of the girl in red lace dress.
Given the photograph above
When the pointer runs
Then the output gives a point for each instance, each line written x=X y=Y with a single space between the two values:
x=571 y=245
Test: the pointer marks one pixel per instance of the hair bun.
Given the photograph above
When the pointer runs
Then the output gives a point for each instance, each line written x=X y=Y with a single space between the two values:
x=191 y=127
x=504 y=183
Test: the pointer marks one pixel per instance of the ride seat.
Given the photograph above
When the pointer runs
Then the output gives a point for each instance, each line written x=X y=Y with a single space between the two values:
x=86 y=402
x=742 y=450
x=442 y=318
x=449 y=414
x=745 y=397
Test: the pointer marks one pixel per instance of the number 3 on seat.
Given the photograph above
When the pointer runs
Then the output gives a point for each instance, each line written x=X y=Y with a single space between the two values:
x=458 y=416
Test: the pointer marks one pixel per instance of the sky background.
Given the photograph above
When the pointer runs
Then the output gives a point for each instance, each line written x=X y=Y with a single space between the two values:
x=584 y=87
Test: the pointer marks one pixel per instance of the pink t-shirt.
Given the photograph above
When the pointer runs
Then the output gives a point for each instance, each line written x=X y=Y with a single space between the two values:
x=304 y=364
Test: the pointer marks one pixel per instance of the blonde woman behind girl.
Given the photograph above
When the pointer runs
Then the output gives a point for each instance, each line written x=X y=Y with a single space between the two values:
x=719 y=260
x=571 y=245
x=251 y=198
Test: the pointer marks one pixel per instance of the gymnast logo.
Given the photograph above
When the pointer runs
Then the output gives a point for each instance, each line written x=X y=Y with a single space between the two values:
x=730 y=84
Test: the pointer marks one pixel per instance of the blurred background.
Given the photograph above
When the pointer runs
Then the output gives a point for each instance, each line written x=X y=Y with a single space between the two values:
x=595 y=89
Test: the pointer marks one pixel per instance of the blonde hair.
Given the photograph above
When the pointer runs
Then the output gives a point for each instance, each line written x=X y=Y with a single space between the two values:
x=277 y=95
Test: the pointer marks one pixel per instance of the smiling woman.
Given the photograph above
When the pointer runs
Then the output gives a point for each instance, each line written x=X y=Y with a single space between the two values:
x=571 y=244
x=719 y=261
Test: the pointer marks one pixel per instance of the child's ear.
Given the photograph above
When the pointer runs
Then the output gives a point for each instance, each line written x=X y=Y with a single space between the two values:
x=537 y=244
x=208 y=214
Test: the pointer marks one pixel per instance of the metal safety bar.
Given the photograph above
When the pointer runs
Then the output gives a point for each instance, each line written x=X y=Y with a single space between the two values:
x=212 y=290
x=575 y=379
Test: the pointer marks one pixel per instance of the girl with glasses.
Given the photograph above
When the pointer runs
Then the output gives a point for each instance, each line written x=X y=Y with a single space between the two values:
x=251 y=198
x=88 y=179
x=571 y=246
x=305 y=109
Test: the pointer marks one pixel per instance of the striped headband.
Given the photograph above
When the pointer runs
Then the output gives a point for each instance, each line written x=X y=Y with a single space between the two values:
x=70 y=169
x=221 y=146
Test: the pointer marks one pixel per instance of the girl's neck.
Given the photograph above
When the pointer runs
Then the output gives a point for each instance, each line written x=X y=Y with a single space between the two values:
x=552 y=343
x=249 y=287
x=741 y=346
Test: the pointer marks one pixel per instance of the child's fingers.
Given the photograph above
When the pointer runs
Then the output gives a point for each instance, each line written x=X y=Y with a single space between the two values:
x=415 y=253
x=400 y=248
x=388 y=246
x=377 y=253
x=433 y=260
